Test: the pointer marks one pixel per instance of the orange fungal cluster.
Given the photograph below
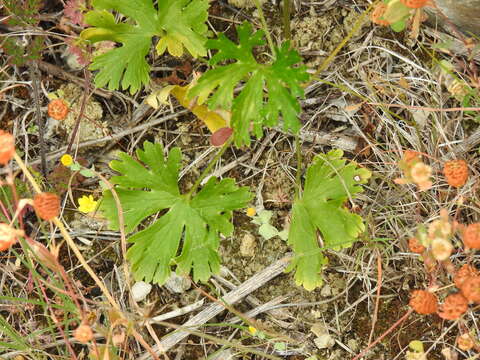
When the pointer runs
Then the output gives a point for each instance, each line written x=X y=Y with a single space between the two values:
x=462 y=274
x=471 y=236
x=454 y=306
x=456 y=172
x=434 y=244
x=471 y=289
x=423 y=302
x=57 y=109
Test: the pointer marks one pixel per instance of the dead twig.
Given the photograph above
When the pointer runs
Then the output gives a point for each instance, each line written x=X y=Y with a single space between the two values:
x=35 y=76
x=86 y=95
x=214 y=309
x=62 y=74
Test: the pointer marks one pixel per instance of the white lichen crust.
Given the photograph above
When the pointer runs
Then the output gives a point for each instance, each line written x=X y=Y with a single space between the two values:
x=91 y=126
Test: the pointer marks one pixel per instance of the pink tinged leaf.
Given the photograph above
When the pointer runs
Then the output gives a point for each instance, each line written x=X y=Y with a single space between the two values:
x=220 y=136
x=73 y=11
x=80 y=53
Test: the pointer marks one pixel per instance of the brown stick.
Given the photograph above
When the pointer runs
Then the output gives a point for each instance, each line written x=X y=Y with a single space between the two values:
x=214 y=309
x=35 y=76
x=62 y=74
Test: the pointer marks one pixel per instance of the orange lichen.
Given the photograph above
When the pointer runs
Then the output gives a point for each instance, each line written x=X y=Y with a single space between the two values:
x=83 y=333
x=415 y=246
x=471 y=236
x=456 y=172
x=377 y=14
x=414 y=4
x=471 y=289
x=7 y=147
x=462 y=274
x=8 y=236
x=58 y=109
x=455 y=305
x=47 y=205
x=423 y=302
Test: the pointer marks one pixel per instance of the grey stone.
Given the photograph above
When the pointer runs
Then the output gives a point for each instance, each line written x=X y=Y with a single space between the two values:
x=463 y=13
x=178 y=284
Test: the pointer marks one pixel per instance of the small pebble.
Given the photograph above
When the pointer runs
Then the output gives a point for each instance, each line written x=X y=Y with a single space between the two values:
x=326 y=291
x=178 y=284
x=324 y=341
x=319 y=329
x=248 y=245
x=140 y=290
x=353 y=345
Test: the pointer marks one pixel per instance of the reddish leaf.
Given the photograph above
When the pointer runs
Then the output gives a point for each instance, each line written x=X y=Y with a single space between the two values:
x=220 y=136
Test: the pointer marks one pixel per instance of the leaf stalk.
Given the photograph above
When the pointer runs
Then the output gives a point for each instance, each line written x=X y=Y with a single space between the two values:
x=265 y=27
x=287 y=33
x=298 y=176
x=209 y=167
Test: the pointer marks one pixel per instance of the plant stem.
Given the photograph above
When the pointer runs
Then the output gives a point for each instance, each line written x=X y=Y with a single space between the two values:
x=287 y=33
x=209 y=167
x=298 y=176
x=35 y=76
x=264 y=26
x=67 y=237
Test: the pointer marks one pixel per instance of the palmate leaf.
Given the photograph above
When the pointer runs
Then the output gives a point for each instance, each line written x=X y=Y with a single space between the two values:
x=187 y=234
x=179 y=24
x=270 y=89
x=330 y=181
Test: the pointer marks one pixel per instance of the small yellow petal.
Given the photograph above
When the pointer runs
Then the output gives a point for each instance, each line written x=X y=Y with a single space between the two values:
x=66 y=160
x=251 y=211
x=252 y=330
x=87 y=204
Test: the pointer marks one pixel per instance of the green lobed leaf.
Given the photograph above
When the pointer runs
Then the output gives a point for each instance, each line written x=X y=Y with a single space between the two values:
x=180 y=23
x=270 y=90
x=186 y=234
x=330 y=181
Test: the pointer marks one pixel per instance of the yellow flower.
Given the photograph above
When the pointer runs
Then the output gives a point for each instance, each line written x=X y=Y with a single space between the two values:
x=66 y=160
x=252 y=330
x=251 y=211
x=87 y=204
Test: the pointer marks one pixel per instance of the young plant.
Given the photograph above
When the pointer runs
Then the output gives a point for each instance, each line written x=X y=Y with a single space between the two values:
x=265 y=229
x=189 y=222
x=320 y=210
x=270 y=89
x=178 y=24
